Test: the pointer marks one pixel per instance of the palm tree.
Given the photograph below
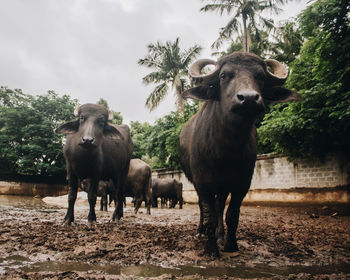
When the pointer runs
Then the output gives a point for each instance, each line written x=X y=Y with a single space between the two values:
x=289 y=42
x=245 y=12
x=170 y=64
x=259 y=45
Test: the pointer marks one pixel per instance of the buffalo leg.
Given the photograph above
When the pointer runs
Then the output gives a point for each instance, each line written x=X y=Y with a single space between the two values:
x=72 y=196
x=163 y=202
x=220 y=207
x=232 y=218
x=148 y=202
x=138 y=202
x=209 y=223
x=104 y=202
x=119 y=200
x=155 y=202
x=173 y=202
x=181 y=201
x=92 y=196
x=200 y=226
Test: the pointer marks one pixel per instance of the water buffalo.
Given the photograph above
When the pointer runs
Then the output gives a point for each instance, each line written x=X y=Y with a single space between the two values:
x=168 y=189
x=139 y=183
x=104 y=189
x=218 y=145
x=97 y=150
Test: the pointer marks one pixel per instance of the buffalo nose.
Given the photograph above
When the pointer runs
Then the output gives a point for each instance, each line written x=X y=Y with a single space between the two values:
x=87 y=139
x=248 y=97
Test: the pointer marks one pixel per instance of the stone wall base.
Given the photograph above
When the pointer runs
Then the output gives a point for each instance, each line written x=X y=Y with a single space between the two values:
x=300 y=195
x=32 y=189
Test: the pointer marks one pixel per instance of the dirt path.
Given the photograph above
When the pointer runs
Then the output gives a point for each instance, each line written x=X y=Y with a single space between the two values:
x=279 y=242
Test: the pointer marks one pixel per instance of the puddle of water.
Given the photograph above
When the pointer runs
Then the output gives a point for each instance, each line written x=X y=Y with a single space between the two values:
x=22 y=202
x=146 y=270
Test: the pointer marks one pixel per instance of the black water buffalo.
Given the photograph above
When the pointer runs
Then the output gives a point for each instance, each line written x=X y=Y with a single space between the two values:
x=168 y=189
x=104 y=189
x=218 y=145
x=139 y=183
x=97 y=150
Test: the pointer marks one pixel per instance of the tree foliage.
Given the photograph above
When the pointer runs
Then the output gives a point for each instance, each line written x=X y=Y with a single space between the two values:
x=158 y=144
x=117 y=116
x=170 y=65
x=28 y=143
x=288 y=42
x=247 y=20
x=321 y=122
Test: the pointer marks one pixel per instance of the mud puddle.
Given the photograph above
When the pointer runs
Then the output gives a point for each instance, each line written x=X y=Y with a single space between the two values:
x=145 y=270
x=303 y=242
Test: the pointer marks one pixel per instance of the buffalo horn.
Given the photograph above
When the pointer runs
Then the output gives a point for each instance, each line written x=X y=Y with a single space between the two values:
x=195 y=72
x=277 y=71
x=110 y=116
x=76 y=111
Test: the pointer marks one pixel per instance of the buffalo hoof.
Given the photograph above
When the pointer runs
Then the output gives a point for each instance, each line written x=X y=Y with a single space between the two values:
x=212 y=249
x=91 y=224
x=68 y=221
x=200 y=231
x=116 y=219
x=229 y=247
x=220 y=242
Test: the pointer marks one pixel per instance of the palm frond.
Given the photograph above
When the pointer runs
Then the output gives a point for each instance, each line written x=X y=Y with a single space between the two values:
x=220 y=8
x=153 y=77
x=156 y=96
x=226 y=32
x=189 y=55
x=149 y=62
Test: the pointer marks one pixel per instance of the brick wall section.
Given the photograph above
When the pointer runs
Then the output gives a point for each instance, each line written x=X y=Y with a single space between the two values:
x=276 y=172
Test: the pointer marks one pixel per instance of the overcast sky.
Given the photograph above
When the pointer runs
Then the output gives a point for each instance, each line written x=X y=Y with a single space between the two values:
x=89 y=49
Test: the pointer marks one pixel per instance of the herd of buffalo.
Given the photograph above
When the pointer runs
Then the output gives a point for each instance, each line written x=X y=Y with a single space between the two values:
x=217 y=149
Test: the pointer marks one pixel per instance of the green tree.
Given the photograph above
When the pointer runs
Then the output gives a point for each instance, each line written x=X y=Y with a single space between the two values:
x=158 y=144
x=117 y=117
x=288 y=42
x=321 y=122
x=259 y=46
x=28 y=143
x=246 y=16
x=140 y=134
x=170 y=65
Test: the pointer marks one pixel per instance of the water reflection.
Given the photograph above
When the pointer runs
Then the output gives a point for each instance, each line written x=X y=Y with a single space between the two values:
x=147 y=270
x=22 y=202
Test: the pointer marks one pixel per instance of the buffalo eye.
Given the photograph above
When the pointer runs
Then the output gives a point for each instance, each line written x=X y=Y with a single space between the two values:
x=226 y=75
x=82 y=118
x=222 y=76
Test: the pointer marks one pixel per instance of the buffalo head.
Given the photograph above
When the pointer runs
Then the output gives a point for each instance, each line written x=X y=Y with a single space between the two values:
x=242 y=82
x=91 y=125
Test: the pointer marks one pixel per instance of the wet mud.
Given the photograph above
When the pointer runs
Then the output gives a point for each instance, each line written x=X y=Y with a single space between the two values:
x=275 y=242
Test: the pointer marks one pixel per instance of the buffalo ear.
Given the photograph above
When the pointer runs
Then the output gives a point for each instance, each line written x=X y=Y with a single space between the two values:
x=280 y=95
x=68 y=128
x=210 y=92
x=113 y=132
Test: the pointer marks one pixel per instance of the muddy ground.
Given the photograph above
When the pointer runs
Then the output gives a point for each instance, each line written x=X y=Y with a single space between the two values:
x=304 y=242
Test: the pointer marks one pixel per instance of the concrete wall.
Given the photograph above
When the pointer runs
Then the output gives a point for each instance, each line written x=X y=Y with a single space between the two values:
x=278 y=180
x=32 y=189
x=276 y=172
x=275 y=179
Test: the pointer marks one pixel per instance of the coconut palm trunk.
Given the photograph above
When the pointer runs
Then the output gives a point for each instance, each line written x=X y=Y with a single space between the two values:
x=245 y=33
